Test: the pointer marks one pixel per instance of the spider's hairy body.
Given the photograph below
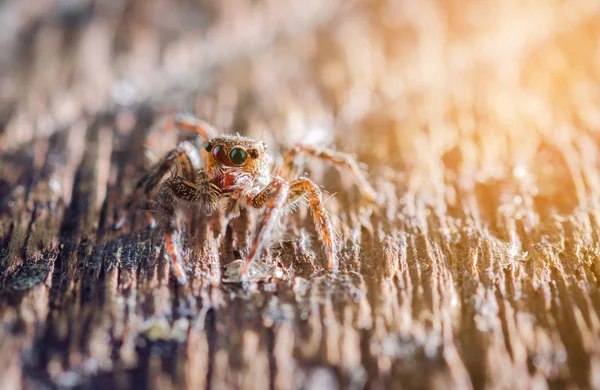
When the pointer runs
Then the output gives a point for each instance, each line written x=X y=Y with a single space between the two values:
x=231 y=172
x=237 y=182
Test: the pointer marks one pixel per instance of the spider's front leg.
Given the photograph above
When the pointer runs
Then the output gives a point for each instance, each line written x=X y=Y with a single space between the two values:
x=300 y=188
x=272 y=198
x=185 y=185
x=202 y=193
x=185 y=157
x=339 y=159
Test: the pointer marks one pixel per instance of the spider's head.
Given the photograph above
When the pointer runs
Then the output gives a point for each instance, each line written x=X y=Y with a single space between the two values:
x=236 y=152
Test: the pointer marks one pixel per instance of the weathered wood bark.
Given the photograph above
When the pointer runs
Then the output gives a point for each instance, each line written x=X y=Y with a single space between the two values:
x=479 y=124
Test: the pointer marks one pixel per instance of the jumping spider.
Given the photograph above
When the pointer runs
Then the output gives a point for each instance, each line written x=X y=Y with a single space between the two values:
x=237 y=173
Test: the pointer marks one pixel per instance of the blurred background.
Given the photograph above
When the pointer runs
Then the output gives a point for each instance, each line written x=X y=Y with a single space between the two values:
x=478 y=120
x=437 y=87
x=401 y=73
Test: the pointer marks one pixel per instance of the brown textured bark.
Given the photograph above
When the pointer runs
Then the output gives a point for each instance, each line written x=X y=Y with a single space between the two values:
x=478 y=122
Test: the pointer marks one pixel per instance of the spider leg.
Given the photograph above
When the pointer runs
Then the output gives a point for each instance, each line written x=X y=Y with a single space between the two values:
x=191 y=123
x=184 y=185
x=272 y=198
x=201 y=192
x=171 y=237
x=177 y=188
x=305 y=187
x=172 y=240
x=185 y=157
x=339 y=159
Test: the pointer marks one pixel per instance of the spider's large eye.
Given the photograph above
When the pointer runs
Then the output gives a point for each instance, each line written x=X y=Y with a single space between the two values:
x=220 y=154
x=238 y=156
x=208 y=146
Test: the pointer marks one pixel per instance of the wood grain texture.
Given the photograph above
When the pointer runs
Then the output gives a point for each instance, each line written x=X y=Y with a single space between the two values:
x=478 y=122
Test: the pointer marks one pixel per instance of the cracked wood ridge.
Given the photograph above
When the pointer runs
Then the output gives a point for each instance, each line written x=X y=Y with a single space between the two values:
x=478 y=122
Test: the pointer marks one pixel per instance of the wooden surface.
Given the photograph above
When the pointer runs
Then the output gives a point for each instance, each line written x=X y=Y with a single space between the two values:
x=479 y=122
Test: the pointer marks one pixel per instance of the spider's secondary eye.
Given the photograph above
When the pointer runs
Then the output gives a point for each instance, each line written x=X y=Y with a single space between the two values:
x=219 y=154
x=253 y=153
x=238 y=156
x=208 y=146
